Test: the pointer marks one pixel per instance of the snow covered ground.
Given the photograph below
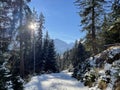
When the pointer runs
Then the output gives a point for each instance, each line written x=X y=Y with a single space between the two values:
x=64 y=81
x=55 y=81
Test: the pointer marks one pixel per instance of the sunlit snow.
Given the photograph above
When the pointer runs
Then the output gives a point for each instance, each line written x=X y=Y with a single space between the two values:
x=58 y=81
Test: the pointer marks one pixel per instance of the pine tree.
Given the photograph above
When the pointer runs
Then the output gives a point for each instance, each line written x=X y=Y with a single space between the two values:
x=115 y=10
x=45 y=51
x=7 y=27
x=111 y=33
x=59 y=62
x=17 y=82
x=23 y=8
x=91 y=14
x=2 y=78
x=4 y=40
x=66 y=59
x=39 y=42
x=51 y=64
x=79 y=60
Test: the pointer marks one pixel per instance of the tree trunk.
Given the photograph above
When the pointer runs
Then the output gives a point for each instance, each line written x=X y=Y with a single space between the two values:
x=21 y=42
x=94 y=47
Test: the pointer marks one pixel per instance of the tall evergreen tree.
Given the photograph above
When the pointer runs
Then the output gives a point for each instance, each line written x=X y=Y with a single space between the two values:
x=90 y=11
x=110 y=27
x=59 y=62
x=39 y=42
x=23 y=8
x=115 y=10
x=79 y=54
x=66 y=59
x=51 y=63
x=45 y=51
x=79 y=59
x=7 y=27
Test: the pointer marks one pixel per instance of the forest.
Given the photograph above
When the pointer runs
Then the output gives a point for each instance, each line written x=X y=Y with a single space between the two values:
x=25 y=51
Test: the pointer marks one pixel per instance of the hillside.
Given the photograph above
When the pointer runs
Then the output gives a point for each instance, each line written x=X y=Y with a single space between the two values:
x=103 y=70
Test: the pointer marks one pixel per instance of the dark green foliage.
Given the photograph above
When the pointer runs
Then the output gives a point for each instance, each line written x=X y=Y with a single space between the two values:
x=2 y=79
x=91 y=14
x=66 y=60
x=111 y=25
x=115 y=10
x=9 y=80
x=17 y=84
x=79 y=54
x=45 y=55
x=51 y=64
x=49 y=55
x=112 y=35
x=89 y=80
x=79 y=60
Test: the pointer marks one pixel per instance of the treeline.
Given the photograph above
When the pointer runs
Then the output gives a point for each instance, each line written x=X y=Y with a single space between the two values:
x=23 y=48
x=71 y=58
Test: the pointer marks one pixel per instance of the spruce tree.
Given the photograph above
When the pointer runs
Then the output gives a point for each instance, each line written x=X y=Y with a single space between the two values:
x=112 y=35
x=115 y=10
x=7 y=27
x=4 y=40
x=51 y=63
x=45 y=52
x=39 y=42
x=79 y=60
x=111 y=24
x=66 y=59
x=90 y=12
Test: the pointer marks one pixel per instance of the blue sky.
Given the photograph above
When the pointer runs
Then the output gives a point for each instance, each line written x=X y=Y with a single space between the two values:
x=61 y=18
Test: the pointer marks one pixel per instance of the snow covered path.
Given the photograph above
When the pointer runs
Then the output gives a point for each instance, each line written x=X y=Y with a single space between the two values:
x=56 y=81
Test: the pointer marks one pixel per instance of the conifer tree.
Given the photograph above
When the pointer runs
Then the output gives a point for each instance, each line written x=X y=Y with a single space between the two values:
x=51 y=63
x=4 y=40
x=39 y=41
x=79 y=59
x=7 y=27
x=111 y=33
x=45 y=51
x=90 y=11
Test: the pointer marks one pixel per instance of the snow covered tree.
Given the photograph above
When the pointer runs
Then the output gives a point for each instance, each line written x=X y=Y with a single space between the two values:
x=17 y=82
x=2 y=78
x=8 y=18
x=5 y=27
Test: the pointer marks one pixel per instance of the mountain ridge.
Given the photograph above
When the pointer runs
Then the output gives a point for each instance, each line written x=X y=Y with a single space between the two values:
x=61 y=46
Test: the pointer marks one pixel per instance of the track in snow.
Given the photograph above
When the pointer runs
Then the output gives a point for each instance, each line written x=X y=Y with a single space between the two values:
x=56 y=81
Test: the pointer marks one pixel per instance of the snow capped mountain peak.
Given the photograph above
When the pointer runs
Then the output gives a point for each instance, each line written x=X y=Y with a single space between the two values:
x=62 y=46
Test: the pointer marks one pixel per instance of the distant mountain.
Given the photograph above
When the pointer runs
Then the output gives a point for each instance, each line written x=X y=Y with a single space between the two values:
x=62 y=46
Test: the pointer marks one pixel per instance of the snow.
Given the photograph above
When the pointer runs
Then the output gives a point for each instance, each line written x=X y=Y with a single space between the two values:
x=64 y=81
x=107 y=66
x=94 y=88
x=55 y=81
